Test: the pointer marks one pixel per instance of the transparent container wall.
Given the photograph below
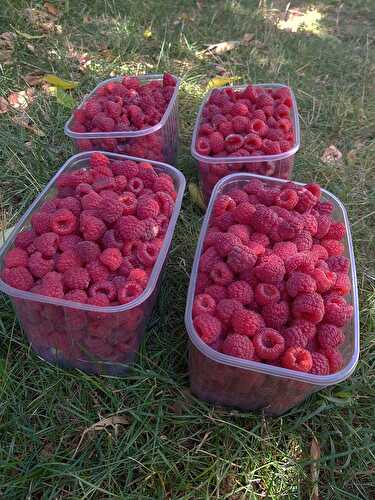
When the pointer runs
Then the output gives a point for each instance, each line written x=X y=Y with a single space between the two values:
x=158 y=143
x=73 y=335
x=249 y=385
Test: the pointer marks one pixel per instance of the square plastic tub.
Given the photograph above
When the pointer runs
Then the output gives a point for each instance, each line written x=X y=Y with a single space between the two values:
x=212 y=169
x=91 y=338
x=249 y=385
x=159 y=142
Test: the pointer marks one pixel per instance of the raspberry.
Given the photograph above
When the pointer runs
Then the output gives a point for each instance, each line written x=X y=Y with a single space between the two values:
x=52 y=286
x=39 y=266
x=135 y=185
x=47 y=244
x=128 y=168
x=241 y=231
x=97 y=271
x=76 y=278
x=71 y=204
x=284 y=249
x=238 y=195
x=224 y=242
x=24 y=238
x=238 y=346
x=335 y=360
x=169 y=80
x=130 y=228
x=241 y=258
x=246 y=322
x=338 y=264
x=333 y=247
x=111 y=258
x=223 y=203
x=63 y=221
x=319 y=253
x=294 y=337
x=120 y=184
x=91 y=200
x=342 y=284
x=233 y=142
x=110 y=209
x=337 y=311
x=208 y=327
x=165 y=202
x=287 y=198
x=127 y=265
x=264 y=219
x=324 y=223
x=109 y=240
x=271 y=269
x=320 y=364
x=203 y=304
x=152 y=229
x=270 y=147
x=67 y=260
x=336 y=231
x=303 y=241
x=329 y=336
x=147 y=253
x=104 y=287
x=203 y=146
x=243 y=212
x=129 y=292
x=147 y=207
x=217 y=292
x=269 y=344
x=92 y=228
x=221 y=274
x=226 y=308
x=298 y=359
x=276 y=315
x=129 y=203
x=69 y=241
x=140 y=276
x=252 y=142
x=324 y=279
x=16 y=257
x=241 y=291
x=306 y=327
x=298 y=283
x=308 y=306
x=147 y=174
x=306 y=200
x=266 y=293
x=18 y=277
x=301 y=261
x=98 y=300
x=258 y=127
x=88 y=251
x=41 y=222
x=253 y=186
x=216 y=141
x=240 y=125
x=224 y=221
x=310 y=223
x=164 y=184
x=76 y=296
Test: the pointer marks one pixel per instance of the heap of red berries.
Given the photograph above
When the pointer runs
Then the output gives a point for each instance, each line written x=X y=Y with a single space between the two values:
x=95 y=242
x=273 y=278
x=125 y=106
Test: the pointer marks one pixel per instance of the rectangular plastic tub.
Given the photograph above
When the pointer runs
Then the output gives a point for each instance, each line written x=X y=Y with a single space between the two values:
x=91 y=338
x=159 y=142
x=249 y=385
x=212 y=169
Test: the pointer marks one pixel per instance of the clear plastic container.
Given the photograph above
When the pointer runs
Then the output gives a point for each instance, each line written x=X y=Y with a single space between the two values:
x=91 y=338
x=212 y=169
x=249 y=385
x=159 y=142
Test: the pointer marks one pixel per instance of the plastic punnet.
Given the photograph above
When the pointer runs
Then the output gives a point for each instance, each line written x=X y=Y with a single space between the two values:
x=73 y=335
x=249 y=385
x=159 y=142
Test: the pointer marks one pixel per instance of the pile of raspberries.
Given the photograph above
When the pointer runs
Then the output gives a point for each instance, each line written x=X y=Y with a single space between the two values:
x=123 y=107
x=272 y=278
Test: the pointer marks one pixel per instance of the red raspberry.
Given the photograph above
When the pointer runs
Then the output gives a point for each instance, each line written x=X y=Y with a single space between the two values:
x=91 y=108
x=165 y=202
x=120 y=184
x=76 y=296
x=98 y=300
x=338 y=264
x=39 y=266
x=103 y=183
x=258 y=127
x=324 y=223
x=238 y=195
x=216 y=141
x=294 y=337
x=47 y=244
x=130 y=228
x=67 y=260
x=41 y=222
x=147 y=207
x=233 y=142
x=135 y=185
x=266 y=293
x=127 y=265
x=110 y=240
x=241 y=231
x=217 y=292
x=129 y=292
x=147 y=174
x=224 y=221
x=298 y=359
x=111 y=258
x=226 y=308
x=252 y=142
x=147 y=253
x=68 y=241
x=335 y=360
x=169 y=80
x=241 y=124
x=224 y=242
x=264 y=219
x=129 y=203
x=319 y=253
x=329 y=336
x=269 y=344
x=333 y=247
x=203 y=304
x=324 y=279
x=276 y=315
x=246 y=322
x=140 y=276
x=303 y=241
x=310 y=223
x=337 y=311
x=270 y=147
x=88 y=251
x=110 y=209
x=76 y=278
x=306 y=200
x=298 y=283
x=128 y=168
x=91 y=200
x=208 y=327
x=254 y=186
x=208 y=259
x=63 y=221
x=287 y=198
x=152 y=229
x=72 y=204
x=52 y=286
x=92 y=228
x=104 y=287
x=284 y=249
x=16 y=257
x=164 y=183
x=320 y=364
x=243 y=212
x=203 y=146
x=342 y=284
x=221 y=274
x=264 y=100
x=241 y=291
x=238 y=346
x=24 y=238
x=271 y=269
x=97 y=271
x=223 y=203
x=308 y=306
x=18 y=277
x=301 y=261
x=306 y=327
x=337 y=231
x=241 y=258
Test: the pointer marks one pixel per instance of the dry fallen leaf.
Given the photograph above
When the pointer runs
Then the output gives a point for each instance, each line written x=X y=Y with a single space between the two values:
x=34 y=78
x=196 y=196
x=56 y=81
x=102 y=425
x=51 y=9
x=43 y=20
x=222 y=47
x=7 y=40
x=331 y=155
x=87 y=19
x=22 y=99
x=23 y=120
x=220 y=81
x=4 y=105
x=315 y=455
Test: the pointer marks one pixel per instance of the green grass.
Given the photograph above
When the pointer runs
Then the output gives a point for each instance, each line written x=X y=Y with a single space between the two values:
x=172 y=445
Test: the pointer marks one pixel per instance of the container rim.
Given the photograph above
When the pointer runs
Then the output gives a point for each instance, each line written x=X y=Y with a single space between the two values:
x=252 y=159
x=20 y=294
x=131 y=133
x=255 y=366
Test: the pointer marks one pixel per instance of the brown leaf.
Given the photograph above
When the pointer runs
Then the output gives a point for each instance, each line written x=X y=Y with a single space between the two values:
x=331 y=155
x=4 y=105
x=87 y=19
x=34 y=78
x=51 y=9
x=222 y=47
x=7 y=40
x=22 y=120
x=21 y=99
x=315 y=455
x=113 y=422
x=6 y=56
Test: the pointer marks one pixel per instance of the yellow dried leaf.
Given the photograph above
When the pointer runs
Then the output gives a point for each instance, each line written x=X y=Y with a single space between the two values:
x=147 y=33
x=60 y=82
x=196 y=196
x=51 y=9
x=331 y=155
x=220 y=81
x=22 y=120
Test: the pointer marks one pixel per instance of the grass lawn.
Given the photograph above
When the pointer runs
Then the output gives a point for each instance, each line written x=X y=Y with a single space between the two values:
x=171 y=445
